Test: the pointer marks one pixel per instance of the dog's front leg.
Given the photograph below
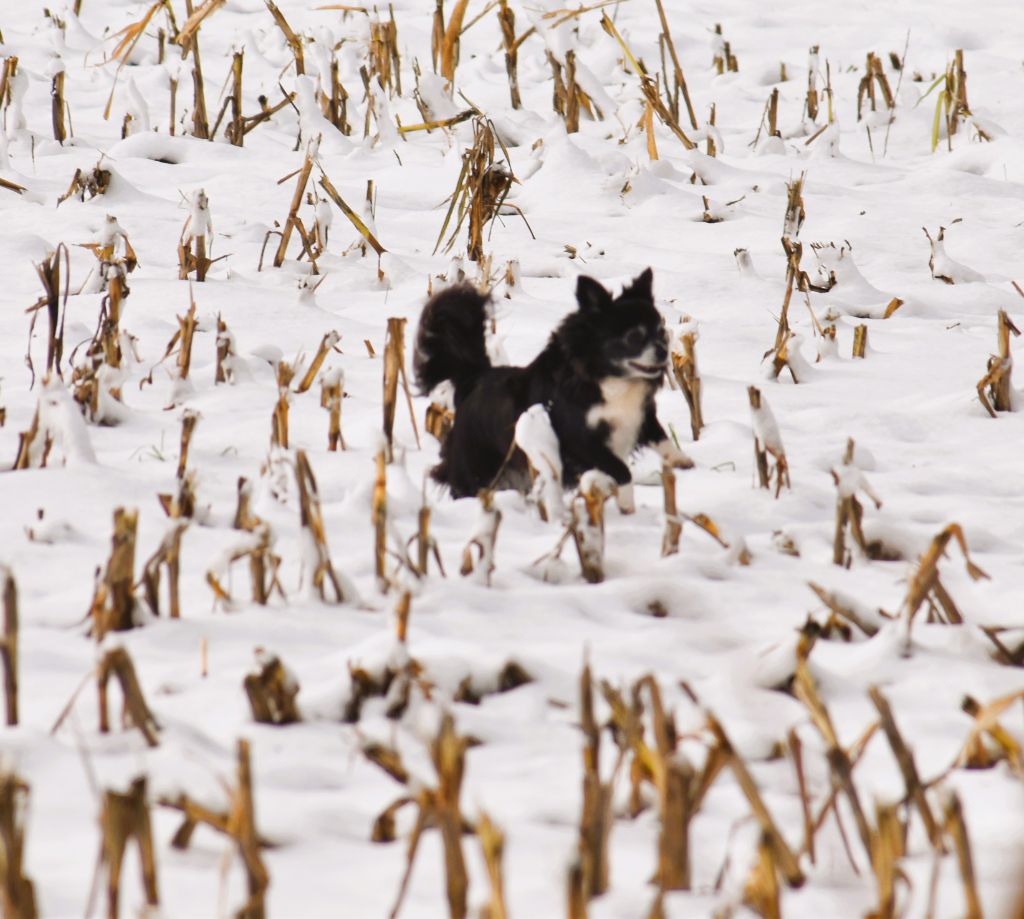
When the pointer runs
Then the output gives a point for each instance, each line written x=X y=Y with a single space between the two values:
x=607 y=462
x=652 y=434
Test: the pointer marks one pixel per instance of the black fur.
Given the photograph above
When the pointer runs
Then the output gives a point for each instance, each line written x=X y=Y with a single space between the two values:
x=615 y=343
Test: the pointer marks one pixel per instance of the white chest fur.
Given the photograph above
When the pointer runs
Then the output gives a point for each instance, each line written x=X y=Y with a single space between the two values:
x=622 y=408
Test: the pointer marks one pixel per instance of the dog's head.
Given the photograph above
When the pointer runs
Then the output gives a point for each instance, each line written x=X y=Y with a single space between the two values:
x=622 y=336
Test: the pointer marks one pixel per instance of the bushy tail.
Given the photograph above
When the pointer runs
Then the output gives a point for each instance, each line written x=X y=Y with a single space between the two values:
x=450 y=340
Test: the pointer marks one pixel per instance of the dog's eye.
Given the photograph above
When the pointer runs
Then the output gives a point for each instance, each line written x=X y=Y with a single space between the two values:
x=634 y=339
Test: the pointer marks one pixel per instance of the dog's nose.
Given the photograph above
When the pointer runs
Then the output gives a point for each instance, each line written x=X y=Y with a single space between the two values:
x=661 y=351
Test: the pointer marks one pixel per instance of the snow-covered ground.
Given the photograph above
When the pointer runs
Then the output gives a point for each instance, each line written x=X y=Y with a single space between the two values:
x=597 y=204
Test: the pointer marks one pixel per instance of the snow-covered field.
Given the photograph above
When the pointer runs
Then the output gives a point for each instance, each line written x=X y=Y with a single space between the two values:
x=598 y=204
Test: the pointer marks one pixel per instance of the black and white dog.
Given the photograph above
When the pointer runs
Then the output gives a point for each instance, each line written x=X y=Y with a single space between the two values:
x=597 y=377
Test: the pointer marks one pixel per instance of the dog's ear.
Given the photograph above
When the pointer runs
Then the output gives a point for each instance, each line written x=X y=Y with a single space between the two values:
x=590 y=295
x=641 y=286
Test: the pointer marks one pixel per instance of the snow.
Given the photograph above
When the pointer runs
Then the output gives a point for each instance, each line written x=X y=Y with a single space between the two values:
x=723 y=617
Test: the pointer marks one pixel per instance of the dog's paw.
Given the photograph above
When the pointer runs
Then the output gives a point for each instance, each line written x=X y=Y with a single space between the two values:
x=673 y=456
x=625 y=500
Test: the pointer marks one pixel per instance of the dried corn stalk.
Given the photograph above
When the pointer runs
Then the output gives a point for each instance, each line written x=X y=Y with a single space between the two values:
x=48 y=271
x=596 y=815
x=332 y=391
x=767 y=443
x=839 y=760
x=9 y=645
x=811 y=100
x=925 y=588
x=782 y=857
x=436 y=807
x=293 y=40
x=795 y=213
x=272 y=690
x=887 y=849
x=96 y=377
x=951 y=108
x=113 y=603
x=480 y=191
x=226 y=357
x=908 y=768
x=128 y=38
x=938 y=262
x=587 y=526
x=167 y=555
x=478 y=556
x=117 y=663
x=180 y=344
x=279 y=418
x=425 y=542
x=183 y=504
x=394 y=370
x=356 y=221
x=860 y=341
x=492 y=843
x=874 y=75
x=292 y=220
x=648 y=86
x=33 y=445
x=192 y=244
x=312 y=523
x=681 y=789
x=849 y=511
x=328 y=343
x=124 y=819
x=17 y=892
x=507 y=22
x=384 y=60
x=679 y=80
x=724 y=60
x=762 y=892
x=379 y=518
x=995 y=389
x=238 y=824
x=796 y=279
x=263 y=562
x=684 y=368
x=673 y=522
x=989 y=742
x=236 y=129
x=449 y=44
x=956 y=828
x=189 y=420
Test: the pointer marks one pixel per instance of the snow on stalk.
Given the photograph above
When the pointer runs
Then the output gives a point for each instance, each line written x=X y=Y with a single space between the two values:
x=767 y=443
x=272 y=690
x=849 y=511
x=478 y=555
x=535 y=436
x=192 y=244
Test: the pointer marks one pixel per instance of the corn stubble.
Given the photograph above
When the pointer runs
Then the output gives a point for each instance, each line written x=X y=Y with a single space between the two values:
x=439 y=807
x=238 y=823
x=125 y=819
x=687 y=375
x=995 y=389
x=9 y=645
x=271 y=691
x=480 y=192
x=17 y=891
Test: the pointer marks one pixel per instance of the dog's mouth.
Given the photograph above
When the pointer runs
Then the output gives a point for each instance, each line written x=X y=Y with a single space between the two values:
x=649 y=371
